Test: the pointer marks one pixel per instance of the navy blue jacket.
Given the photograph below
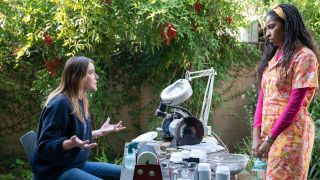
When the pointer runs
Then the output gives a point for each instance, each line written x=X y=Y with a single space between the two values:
x=59 y=123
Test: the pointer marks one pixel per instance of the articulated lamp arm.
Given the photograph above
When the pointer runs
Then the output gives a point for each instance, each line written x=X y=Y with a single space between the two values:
x=206 y=104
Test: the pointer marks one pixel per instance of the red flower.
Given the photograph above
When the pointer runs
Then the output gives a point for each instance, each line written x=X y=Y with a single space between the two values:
x=197 y=7
x=52 y=71
x=172 y=32
x=52 y=66
x=168 y=32
x=47 y=39
x=229 y=19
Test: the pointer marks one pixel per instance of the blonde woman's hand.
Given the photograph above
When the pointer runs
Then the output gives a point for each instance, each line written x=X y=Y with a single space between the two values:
x=119 y=127
x=107 y=127
x=74 y=141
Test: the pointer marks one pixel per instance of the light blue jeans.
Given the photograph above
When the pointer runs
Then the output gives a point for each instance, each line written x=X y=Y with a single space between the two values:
x=93 y=170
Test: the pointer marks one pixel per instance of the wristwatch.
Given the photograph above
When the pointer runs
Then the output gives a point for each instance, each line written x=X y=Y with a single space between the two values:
x=269 y=139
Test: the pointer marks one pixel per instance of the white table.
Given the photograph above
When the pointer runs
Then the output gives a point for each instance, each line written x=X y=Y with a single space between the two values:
x=128 y=175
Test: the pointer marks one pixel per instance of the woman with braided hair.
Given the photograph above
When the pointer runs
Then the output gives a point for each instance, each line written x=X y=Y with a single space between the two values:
x=283 y=132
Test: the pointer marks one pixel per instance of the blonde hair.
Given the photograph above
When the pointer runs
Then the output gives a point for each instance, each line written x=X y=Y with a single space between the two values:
x=71 y=85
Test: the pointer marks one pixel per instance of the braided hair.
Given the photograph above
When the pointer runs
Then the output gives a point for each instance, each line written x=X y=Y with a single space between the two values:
x=294 y=31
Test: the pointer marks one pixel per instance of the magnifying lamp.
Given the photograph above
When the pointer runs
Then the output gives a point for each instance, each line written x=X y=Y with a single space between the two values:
x=180 y=124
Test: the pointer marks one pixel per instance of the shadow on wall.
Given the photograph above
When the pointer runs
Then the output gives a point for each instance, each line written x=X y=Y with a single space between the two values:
x=229 y=120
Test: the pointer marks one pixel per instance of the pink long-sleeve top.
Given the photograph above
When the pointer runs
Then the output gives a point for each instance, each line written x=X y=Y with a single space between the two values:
x=288 y=115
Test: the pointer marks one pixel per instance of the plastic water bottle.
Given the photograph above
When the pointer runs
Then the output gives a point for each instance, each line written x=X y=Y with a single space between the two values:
x=130 y=158
x=259 y=168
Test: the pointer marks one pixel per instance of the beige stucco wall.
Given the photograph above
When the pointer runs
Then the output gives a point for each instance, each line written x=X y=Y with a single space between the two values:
x=229 y=119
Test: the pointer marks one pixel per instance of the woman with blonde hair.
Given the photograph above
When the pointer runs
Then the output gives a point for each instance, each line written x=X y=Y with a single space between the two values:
x=64 y=137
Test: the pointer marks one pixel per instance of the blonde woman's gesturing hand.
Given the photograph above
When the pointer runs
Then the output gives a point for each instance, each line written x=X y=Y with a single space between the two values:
x=74 y=141
x=107 y=128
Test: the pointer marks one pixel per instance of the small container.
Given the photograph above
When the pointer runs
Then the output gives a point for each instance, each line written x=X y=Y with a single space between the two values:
x=222 y=173
x=204 y=171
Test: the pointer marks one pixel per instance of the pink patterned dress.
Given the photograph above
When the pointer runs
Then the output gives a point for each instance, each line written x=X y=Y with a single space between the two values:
x=290 y=154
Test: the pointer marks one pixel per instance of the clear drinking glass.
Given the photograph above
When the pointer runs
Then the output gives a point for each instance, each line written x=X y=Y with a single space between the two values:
x=183 y=171
x=188 y=171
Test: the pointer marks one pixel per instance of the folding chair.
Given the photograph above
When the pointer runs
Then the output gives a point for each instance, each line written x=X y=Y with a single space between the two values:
x=28 y=142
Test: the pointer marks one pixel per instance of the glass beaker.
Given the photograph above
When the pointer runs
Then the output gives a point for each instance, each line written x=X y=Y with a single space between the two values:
x=188 y=171
x=175 y=170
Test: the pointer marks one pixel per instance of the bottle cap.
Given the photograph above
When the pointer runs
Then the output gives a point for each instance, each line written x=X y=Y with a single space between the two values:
x=204 y=166
x=259 y=165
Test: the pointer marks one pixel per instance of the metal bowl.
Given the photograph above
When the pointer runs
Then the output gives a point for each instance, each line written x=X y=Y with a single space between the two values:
x=235 y=162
